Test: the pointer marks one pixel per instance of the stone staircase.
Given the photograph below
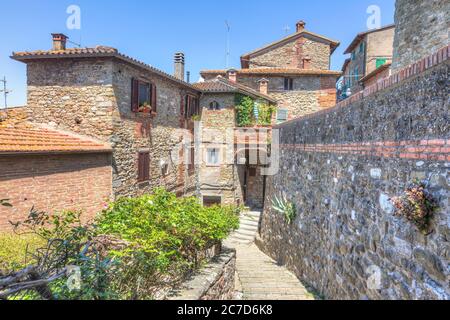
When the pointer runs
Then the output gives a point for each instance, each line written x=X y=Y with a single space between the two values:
x=248 y=229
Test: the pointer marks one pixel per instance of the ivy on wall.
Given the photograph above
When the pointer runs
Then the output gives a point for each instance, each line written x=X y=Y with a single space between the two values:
x=245 y=112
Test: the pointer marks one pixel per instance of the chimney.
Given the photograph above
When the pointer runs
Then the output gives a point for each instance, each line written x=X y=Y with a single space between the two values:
x=263 y=85
x=232 y=75
x=301 y=26
x=59 y=41
x=179 y=66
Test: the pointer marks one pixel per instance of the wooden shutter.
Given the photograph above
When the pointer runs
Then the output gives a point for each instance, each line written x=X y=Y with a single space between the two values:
x=134 y=95
x=143 y=166
x=154 y=98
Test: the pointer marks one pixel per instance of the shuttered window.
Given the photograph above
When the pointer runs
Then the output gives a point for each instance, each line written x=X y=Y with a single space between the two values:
x=143 y=96
x=143 y=166
x=191 y=166
x=191 y=106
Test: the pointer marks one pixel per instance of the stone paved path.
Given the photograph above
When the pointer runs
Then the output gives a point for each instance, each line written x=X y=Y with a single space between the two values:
x=260 y=278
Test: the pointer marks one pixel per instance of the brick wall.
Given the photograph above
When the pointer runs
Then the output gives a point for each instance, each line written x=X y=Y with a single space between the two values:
x=54 y=182
x=341 y=166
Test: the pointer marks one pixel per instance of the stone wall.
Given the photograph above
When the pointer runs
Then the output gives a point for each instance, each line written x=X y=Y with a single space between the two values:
x=340 y=167
x=421 y=29
x=291 y=54
x=310 y=93
x=92 y=97
x=53 y=182
x=221 y=180
x=214 y=282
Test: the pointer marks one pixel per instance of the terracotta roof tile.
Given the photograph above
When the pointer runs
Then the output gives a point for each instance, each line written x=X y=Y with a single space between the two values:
x=98 y=51
x=31 y=139
x=221 y=84
x=275 y=71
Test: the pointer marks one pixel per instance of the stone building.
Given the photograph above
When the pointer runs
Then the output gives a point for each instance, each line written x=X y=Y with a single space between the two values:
x=226 y=173
x=294 y=71
x=369 y=51
x=142 y=112
x=422 y=27
x=50 y=170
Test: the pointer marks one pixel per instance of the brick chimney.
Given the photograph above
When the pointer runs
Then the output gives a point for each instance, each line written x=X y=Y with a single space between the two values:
x=263 y=85
x=179 y=66
x=59 y=41
x=232 y=75
x=301 y=26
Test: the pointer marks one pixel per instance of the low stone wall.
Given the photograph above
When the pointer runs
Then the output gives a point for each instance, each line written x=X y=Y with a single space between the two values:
x=341 y=167
x=213 y=282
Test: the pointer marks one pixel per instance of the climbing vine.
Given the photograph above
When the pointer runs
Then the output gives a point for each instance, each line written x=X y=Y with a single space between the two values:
x=245 y=112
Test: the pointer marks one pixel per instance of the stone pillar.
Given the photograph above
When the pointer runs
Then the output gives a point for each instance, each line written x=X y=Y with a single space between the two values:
x=232 y=75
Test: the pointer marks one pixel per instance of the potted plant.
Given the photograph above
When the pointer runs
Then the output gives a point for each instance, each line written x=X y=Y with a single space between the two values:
x=145 y=108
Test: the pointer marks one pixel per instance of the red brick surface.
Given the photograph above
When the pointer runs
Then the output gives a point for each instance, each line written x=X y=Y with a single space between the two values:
x=52 y=183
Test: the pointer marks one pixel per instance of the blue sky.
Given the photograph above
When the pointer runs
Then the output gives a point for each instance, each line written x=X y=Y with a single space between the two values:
x=152 y=31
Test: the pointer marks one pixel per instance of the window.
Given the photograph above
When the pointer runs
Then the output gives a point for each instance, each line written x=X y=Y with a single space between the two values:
x=288 y=84
x=214 y=106
x=191 y=166
x=361 y=47
x=282 y=115
x=380 y=62
x=191 y=106
x=353 y=55
x=143 y=166
x=143 y=96
x=252 y=172
x=212 y=156
x=356 y=74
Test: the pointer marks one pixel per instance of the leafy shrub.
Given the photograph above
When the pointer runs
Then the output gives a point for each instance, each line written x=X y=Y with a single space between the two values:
x=416 y=205
x=244 y=111
x=165 y=234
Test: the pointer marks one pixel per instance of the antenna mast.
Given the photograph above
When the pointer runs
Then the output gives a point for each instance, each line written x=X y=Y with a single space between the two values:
x=228 y=44
x=5 y=91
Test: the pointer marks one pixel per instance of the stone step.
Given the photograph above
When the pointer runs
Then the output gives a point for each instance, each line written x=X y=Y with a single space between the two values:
x=244 y=237
x=244 y=232
x=249 y=223
x=254 y=215
x=248 y=227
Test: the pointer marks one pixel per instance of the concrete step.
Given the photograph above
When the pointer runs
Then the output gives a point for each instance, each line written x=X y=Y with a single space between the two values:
x=244 y=232
x=247 y=227
x=252 y=214
x=238 y=237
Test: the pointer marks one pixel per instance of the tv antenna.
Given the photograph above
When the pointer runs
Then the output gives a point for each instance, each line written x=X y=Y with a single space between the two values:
x=228 y=44
x=5 y=91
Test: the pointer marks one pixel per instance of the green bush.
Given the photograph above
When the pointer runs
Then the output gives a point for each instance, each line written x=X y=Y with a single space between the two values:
x=245 y=116
x=16 y=250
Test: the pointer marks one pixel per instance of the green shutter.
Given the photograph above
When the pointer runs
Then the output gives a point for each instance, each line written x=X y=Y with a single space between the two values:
x=381 y=62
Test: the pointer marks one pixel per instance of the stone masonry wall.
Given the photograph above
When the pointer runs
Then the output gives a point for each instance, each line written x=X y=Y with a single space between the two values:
x=421 y=28
x=53 y=182
x=340 y=167
x=310 y=94
x=214 y=282
x=221 y=180
x=291 y=54
x=93 y=97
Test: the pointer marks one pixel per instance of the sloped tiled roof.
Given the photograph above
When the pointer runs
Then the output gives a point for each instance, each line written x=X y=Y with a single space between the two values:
x=376 y=71
x=99 y=52
x=30 y=139
x=274 y=71
x=223 y=85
